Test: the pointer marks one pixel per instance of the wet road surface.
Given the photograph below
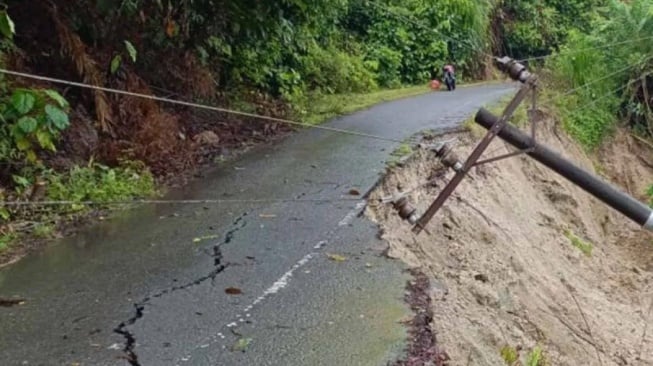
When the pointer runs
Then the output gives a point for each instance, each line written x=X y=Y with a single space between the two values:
x=141 y=290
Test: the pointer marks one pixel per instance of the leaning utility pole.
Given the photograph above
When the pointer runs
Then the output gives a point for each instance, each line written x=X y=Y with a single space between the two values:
x=498 y=126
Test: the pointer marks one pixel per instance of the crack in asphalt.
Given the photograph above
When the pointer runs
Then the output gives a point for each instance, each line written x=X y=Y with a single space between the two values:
x=139 y=307
x=219 y=266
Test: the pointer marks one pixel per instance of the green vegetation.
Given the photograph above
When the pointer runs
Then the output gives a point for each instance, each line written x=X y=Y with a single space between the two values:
x=403 y=150
x=99 y=183
x=536 y=357
x=5 y=240
x=649 y=194
x=322 y=107
x=511 y=356
x=583 y=246
x=43 y=230
x=519 y=118
x=93 y=182
x=32 y=119
x=536 y=27
x=290 y=48
x=609 y=68
x=600 y=53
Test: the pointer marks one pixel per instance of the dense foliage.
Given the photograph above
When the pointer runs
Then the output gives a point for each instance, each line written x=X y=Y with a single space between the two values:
x=610 y=70
x=531 y=28
x=291 y=47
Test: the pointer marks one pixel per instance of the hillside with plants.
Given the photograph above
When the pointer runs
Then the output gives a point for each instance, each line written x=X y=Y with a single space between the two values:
x=279 y=59
x=609 y=70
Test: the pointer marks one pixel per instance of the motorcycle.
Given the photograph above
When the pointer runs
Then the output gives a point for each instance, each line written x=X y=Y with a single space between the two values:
x=450 y=81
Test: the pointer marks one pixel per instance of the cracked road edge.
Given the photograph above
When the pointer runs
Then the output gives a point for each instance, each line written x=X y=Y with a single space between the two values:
x=129 y=352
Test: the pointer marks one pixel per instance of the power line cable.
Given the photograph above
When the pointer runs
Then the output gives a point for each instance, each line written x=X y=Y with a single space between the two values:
x=594 y=81
x=585 y=49
x=194 y=105
x=476 y=48
x=607 y=95
x=174 y=202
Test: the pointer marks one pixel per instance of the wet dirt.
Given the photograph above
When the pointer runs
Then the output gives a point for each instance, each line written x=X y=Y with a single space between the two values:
x=422 y=345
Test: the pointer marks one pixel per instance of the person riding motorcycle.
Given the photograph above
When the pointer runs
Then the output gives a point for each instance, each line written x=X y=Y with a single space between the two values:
x=449 y=78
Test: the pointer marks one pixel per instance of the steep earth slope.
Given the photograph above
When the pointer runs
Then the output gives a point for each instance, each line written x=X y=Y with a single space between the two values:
x=504 y=261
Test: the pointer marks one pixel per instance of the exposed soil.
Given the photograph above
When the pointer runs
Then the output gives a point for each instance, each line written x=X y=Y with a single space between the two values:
x=502 y=266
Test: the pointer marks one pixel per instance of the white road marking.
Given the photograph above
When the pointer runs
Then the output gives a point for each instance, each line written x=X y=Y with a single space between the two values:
x=352 y=214
x=277 y=286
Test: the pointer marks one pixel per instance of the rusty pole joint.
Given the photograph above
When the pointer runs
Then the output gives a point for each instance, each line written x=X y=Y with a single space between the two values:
x=406 y=210
x=512 y=68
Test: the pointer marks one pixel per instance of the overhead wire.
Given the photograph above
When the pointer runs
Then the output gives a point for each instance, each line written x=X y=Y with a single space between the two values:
x=249 y=115
x=194 y=105
x=199 y=106
x=188 y=104
x=568 y=92
x=594 y=101
x=594 y=81
x=174 y=202
x=585 y=49
x=477 y=49
x=607 y=95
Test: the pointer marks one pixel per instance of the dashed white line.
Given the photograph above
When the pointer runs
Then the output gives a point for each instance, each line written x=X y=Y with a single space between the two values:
x=352 y=214
x=277 y=286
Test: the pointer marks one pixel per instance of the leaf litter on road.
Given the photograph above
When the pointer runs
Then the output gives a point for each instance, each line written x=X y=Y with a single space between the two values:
x=336 y=257
x=203 y=238
x=12 y=302
x=233 y=291
x=241 y=345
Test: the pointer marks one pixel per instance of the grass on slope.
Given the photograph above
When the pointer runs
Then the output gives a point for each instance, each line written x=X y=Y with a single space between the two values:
x=320 y=108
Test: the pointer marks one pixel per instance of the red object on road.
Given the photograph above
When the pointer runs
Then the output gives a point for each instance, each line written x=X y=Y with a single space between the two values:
x=435 y=84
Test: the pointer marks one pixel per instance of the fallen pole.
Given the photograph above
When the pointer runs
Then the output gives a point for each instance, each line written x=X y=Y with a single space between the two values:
x=620 y=201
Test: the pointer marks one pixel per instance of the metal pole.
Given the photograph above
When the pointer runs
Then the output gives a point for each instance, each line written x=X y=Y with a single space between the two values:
x=627 y=205
x=471 y=161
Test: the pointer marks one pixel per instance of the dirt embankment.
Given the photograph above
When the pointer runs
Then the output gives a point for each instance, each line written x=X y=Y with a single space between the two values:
x=504 y=259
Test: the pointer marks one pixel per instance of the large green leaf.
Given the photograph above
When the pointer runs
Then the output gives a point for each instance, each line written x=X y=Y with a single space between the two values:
x=45 y=139
x=22 y=143
x=131 y=50
x=21 y=181
x=54 y=95
x=27 y=124
x=7 y=26
x=23 y=101
x=58 y=117
x=115 y=64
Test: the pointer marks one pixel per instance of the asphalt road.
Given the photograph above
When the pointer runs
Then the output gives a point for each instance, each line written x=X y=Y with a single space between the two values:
x=150 y=287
